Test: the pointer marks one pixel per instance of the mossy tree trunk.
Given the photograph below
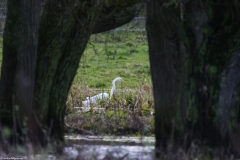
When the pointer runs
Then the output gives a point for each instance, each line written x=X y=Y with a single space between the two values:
x=114 y=16
x=190 y=45
x=64 y=32
x=25 y=71
x=18 y=71
x=9 y=60
x=167 y=58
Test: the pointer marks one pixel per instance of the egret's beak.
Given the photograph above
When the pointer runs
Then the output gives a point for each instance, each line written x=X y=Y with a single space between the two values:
x=124 y=82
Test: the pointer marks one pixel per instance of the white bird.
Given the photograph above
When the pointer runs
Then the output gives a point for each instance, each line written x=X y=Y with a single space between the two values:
x=94 y=99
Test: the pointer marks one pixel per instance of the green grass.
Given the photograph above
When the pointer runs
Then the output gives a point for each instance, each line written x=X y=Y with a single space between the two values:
x=110 y=55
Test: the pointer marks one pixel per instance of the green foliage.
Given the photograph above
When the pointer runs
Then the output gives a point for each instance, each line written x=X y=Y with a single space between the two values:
x=21 y=149
x=16 y=107
x=138 y=134
x=6 y=132
x=122 y=124
x=122 y=113
x=109 y=114
x=113 y=115
x=152 y=123
x=208 y=153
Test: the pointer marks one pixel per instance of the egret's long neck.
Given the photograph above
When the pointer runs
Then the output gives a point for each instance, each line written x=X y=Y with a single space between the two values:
x=113 y=89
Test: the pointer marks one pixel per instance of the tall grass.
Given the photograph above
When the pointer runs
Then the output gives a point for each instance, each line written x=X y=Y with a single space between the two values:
x=128 y=112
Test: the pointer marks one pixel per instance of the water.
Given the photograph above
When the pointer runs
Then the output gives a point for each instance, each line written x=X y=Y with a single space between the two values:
x=94 y=148
x=116 y=139
x=109 y=148
x=99 y=152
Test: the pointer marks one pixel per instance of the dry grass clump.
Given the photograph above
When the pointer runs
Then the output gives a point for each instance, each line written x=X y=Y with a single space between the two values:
x=111 y=122
x=139 y=100
x=127 y=112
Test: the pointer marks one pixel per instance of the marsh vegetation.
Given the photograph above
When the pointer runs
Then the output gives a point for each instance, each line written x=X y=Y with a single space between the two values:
x=122 y=52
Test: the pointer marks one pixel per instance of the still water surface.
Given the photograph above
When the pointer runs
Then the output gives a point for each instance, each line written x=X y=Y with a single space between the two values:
x=92 y=148
x=108 y=148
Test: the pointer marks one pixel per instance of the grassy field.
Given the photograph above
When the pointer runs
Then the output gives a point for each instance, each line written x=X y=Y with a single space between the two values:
x=115 y=54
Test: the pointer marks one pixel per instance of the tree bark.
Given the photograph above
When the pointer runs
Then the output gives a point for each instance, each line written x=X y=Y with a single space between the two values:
x=18 y=70
x=190 y=45
x=25 y=72
x=112 y=18
x=64 y=32
x=167 y=56
x=9 y=60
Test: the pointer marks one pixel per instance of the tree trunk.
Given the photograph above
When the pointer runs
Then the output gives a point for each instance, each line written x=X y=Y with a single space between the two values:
x=62 y=39
x=18 y=71
x=228 y=117
x=190 y=44
x=112 y=18
x=9 y=60
x=167 y=56
x=25 y=72
x=212 y=41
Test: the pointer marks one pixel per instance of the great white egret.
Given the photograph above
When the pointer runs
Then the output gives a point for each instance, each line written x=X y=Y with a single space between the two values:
x=94 y=99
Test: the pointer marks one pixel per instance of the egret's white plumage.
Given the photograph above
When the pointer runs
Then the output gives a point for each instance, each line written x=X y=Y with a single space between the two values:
x=94 y=99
